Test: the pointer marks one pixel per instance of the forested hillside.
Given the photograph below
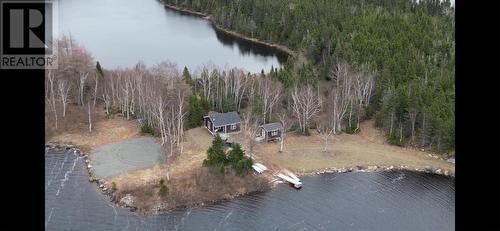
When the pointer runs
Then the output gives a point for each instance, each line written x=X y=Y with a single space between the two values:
x=408 y=47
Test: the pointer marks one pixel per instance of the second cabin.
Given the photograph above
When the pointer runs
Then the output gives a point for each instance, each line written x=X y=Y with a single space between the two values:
x=269 y=132
x=224 y=123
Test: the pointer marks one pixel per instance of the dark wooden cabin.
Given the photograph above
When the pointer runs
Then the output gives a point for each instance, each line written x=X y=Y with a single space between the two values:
x=228 y=122
x=270 y=132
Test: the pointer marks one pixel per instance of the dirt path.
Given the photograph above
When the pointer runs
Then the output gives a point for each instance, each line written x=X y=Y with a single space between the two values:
x=304 y=155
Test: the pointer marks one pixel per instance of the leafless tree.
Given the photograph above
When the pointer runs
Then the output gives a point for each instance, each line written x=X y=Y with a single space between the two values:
x=64 y=88
x=342 y=94
x=96 y=79
x=51 y=78
x=363 y=87
x=181 y=91
x=283 y=117
x=271 y=94
x=325 y=129
x=240 y=84
x=204 y=80
x=83 y=78
x=107 y=101
x=250 y=124
x=306 y=104
x=90 y=117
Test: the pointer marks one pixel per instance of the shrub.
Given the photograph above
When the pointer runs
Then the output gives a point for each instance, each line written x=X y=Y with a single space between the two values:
x=217 y=159
x=294 y=127
x=163 y=188
x=147 y=128
x=113 y=185
x=235 y=154
x=243 y=166
x=353 y=129
x=394 y=140
x=215 y=153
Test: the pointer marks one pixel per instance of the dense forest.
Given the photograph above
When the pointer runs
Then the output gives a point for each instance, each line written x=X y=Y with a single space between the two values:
x=407 y=46
x=388 y=60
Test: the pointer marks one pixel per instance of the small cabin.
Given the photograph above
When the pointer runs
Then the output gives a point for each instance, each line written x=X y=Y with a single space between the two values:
x=224 y=123
x=269 y=132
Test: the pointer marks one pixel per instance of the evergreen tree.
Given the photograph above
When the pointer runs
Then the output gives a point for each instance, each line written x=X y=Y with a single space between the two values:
x=186 y=76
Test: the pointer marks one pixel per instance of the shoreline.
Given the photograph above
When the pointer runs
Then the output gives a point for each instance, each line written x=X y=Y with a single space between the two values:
x=376 y=168
x=281 y=48
x=106 y=190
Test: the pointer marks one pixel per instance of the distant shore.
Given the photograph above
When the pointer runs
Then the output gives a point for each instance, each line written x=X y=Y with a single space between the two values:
x=279 y=47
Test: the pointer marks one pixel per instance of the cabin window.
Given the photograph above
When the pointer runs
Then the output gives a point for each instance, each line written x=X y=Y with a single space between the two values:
x=273 y=133
x=233 y=126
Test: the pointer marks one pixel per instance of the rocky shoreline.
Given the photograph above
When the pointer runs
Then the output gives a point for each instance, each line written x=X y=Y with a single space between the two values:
x=374 y=168
x=102 y=184
x=129 y=201
x=279 y=47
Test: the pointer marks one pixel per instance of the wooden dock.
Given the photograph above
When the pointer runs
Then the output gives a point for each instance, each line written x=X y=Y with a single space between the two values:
x=290 y=178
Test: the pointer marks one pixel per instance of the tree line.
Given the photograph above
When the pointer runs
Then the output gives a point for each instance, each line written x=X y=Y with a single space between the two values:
x=167 y=102
x=407 y=45
x=156 y=95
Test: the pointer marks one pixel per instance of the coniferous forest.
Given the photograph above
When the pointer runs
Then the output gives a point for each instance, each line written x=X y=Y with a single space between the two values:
x=408 y=46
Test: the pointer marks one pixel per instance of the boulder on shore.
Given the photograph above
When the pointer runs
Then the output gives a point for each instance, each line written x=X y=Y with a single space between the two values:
x=127 y=200
x=372 y=167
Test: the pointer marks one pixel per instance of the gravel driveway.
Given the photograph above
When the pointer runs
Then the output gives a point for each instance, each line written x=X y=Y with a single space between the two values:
x=115 y=158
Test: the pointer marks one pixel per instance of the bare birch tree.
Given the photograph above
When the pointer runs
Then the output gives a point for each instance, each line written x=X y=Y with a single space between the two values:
x=63 y=87
x=90 y=117
x=51 y=78
x=83 y=78
x=271 y=93
x=363 y=86
x=306 y=104
x=341 y=95
x=325 y=129
x=250 y=124
x=283 y=117
x=240 y=84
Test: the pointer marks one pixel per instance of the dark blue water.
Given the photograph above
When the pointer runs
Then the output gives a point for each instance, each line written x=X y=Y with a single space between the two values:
x=347 y=201
x=122 y=33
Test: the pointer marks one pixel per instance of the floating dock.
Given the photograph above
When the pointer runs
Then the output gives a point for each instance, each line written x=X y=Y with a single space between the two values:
x=291 y=178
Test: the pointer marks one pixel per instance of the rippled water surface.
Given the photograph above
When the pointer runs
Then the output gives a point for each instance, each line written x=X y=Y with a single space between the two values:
x=348 y=201
x=121 y=33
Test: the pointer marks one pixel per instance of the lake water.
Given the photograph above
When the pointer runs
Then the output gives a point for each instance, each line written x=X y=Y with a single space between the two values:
x=122 y=33
x=348 y=201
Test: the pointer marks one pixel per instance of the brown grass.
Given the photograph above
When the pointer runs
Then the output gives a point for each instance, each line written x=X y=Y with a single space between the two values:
x=75 y=129
x=197 y=186
x=304 y=155
x=190 y=184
